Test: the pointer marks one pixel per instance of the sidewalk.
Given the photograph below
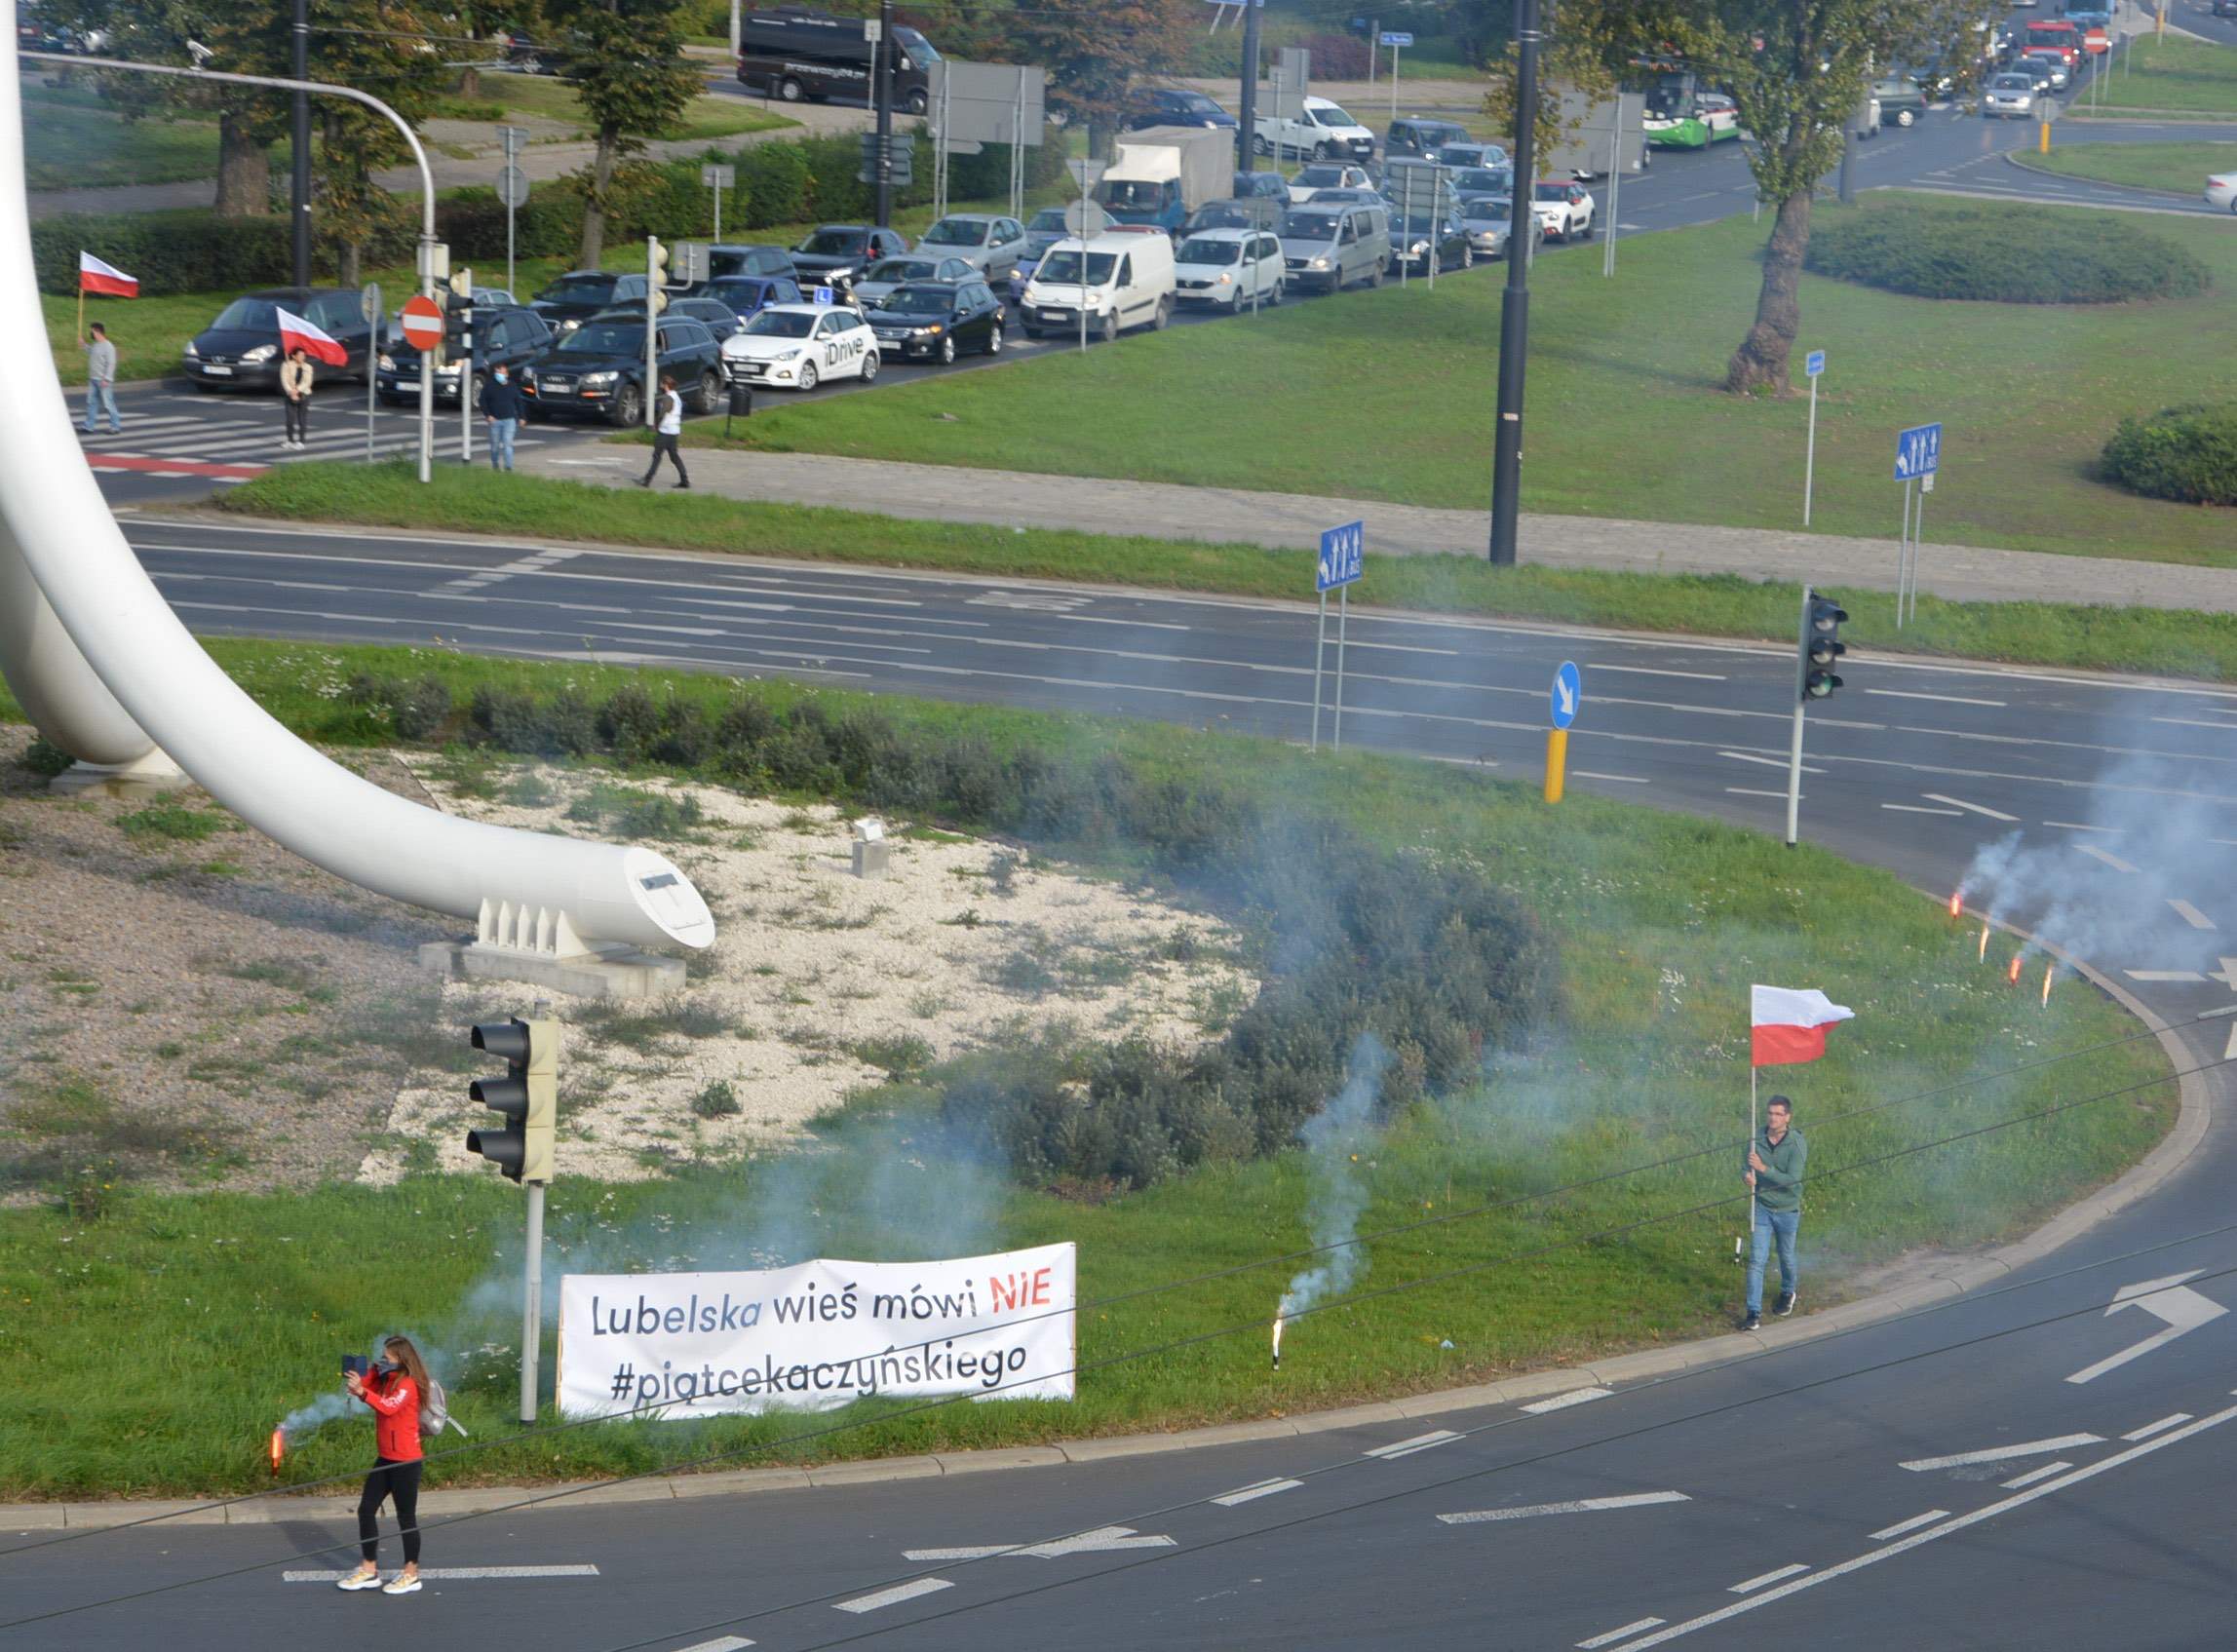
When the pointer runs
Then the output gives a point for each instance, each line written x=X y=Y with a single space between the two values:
x=1294 y=520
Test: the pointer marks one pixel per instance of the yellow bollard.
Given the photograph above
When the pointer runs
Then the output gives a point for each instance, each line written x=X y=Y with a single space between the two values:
x=2044 y=143
x=1557 y=762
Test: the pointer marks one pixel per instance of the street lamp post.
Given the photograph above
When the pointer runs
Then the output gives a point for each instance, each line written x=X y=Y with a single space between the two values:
x=299 y=138
x=1515 y=303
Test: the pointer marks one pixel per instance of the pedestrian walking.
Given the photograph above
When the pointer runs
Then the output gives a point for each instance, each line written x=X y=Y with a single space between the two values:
x=396 y=1388
x=668 y=426
x=100 y=377
x=1775 y=1160
x=501 y=408
x=295 y=377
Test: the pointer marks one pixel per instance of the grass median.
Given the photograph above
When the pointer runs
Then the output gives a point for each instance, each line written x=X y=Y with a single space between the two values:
x=2148 y=639
x=160 y=1337
x=2188 y=76
x=2176 y=168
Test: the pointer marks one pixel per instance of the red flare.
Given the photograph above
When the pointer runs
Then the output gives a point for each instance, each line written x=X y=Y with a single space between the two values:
x=276 y=1449
x=2047 y=969
x=2011 y=975
x=1956 y=904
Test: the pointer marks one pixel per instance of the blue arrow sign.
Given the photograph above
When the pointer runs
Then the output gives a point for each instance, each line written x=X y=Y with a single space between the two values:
x=1343 y=555
x=1814 y=362
x=1917 y=451
x=1568 y=693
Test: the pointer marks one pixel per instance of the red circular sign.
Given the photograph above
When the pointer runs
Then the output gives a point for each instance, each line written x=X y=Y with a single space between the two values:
x=422 y=323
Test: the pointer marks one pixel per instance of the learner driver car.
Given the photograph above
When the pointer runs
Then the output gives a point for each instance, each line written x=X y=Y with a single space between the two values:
x=797 y=346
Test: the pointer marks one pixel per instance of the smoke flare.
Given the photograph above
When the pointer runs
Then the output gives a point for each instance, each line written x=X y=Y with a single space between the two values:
x=1339 y=1192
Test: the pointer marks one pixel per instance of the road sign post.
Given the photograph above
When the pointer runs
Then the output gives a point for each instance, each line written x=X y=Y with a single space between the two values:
x=718 y=177
x=370 y=307
x=1568 y=695
x=1918 y=456
x=1814 y=364
x=1342 y=559
x=512 y=188
x=1394 y=39
x=423 y=332
x=1087 y=173
x=462 y=286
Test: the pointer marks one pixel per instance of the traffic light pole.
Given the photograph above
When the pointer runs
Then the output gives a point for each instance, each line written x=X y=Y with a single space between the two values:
x=1515 y=303
x=881 y=95
x=299 y=140
x=1801 y=699
x=532 y=1295
x=1247 y=128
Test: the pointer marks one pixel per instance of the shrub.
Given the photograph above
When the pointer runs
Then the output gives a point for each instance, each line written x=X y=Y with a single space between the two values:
x=2002 y=253
x=44 y=757
x=717 y=1101
x=2188 y=454
x=174 y=821
x=193 y=251
x=1337 y=56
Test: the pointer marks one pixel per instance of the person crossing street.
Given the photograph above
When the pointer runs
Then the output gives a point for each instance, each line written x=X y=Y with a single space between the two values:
x=100 y=378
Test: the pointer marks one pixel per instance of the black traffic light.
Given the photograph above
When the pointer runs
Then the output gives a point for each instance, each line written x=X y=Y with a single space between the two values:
x=1821 y=647
x=528 y=1097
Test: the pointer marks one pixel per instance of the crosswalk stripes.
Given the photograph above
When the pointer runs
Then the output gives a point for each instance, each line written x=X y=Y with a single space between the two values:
x=250 y=441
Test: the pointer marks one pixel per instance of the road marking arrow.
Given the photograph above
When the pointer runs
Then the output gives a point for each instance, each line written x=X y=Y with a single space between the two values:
x=2168 y=1300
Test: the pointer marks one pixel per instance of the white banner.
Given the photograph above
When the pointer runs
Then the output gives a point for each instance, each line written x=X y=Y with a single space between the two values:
x=819 y=1334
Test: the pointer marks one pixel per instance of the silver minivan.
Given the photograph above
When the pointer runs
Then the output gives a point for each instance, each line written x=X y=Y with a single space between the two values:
x=1328 y=247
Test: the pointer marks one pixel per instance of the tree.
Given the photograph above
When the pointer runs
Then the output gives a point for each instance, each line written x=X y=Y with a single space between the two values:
x=625 y=60
x=379 y=46
x=1095 y=49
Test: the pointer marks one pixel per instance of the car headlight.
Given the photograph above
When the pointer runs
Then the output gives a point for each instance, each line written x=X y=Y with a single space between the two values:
x=1319 y=263
x=1419 y=248
x=930 y=332
x=263 y=353
x=791 y=354
x=593 y=379
x=1225 y=278
x=569 y=324
x=192 y=354
x=387 y=362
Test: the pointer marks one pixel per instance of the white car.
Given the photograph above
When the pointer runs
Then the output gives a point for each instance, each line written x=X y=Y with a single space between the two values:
x=1564 y=209
x=1327 y=174
x=797 y=346
x=2221 y=191
x=1228 y=269
x=1324 y=132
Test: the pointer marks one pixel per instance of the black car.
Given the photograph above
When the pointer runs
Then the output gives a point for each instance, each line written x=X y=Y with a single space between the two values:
x=579 y=294
x=597 y=370
x=1423 y=236
x=1175 y=106
x=725 y=259
x=1262 y=186
x=845 y=251
x=241 y=348
x=719 y=318
x=1418 y=138
x=2225 y=8
x=508 y=336
x=931 y=321
x=746 y=294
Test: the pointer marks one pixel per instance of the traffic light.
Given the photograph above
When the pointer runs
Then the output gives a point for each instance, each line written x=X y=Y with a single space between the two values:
x=655 y=275
x=527 y=1096
x=1821 y=647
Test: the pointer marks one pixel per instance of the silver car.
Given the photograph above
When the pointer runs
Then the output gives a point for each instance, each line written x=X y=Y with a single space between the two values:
x=1488 y=219
x=992 y=244
x=1326 y=248
x=2009 y=97
x=888 y=274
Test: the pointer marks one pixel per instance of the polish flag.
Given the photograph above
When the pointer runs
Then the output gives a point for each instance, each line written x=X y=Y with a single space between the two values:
x=1790 y=1024
x=297 y=333
x=94 y=276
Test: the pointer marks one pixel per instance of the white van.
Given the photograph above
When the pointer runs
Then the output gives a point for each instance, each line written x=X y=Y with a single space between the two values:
x=1322 y=133
x=1129 y=285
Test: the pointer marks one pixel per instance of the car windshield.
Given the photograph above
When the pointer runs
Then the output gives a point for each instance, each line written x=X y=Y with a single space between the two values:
x=579 y=290
x=1482 y=181
x=828 y=243
x=1226 y=214
x=1320 y=177
x=730 y=263
x=1331 y=116
x=957 y=232
x=1553 y=192
x=736 y=293
x=1310 y=226
x=917 y=46
x=1195 y=103
x=2015 y=83
x=780 y=324
x=1209 y=249
x=605 y=338
x=248 y=315
x=1124 y=192
x=1064 y=266
x=901 y=269
x=920 y=300
x=1422 y=223
x=1048 y=219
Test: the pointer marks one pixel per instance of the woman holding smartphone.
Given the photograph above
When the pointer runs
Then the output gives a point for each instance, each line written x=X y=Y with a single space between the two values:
x=394 y=1388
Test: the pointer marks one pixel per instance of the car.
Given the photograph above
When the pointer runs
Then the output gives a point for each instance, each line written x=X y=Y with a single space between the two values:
x=1172 y=105
x=2221 y=187
x=579 y=294
x=1327 y=176
x=719 y=318
x=882 y=277
x=798 y=346
x=240 y=349
x=934 y=321
x=1043 y=230
x=2091 y=16
x=1229 y=268
x=1419 y=138
x=1490 y=219
x=1347 y=197
x=844 y=251
x=1470 y=153
x=740 y=259
x=746 y=294
x=1422 y=239
x=990 y=243
x=2225 y=8
x=1482 y=181
x=1330 y=247
x=508 y=336
x=1262 y=186
x=2008 y=96
x=1322 y=129
x=595 y=369
x=1564 y=206
x=2033 y=70
x=1101 y=287
x=2052 y=60
x=1256 y=212
x=1901 y=102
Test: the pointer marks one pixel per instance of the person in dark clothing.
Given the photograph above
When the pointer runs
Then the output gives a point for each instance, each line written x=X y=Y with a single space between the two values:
x=668 y=426
x=501 y=407
x=394 y=1389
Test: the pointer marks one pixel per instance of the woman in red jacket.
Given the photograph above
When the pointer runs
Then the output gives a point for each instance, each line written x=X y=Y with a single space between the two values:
x=394 y=1390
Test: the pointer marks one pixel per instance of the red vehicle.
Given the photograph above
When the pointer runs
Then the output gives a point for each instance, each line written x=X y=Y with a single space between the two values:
x=2058 y=32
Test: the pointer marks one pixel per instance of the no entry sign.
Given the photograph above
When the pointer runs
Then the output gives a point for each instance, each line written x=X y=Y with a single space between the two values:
x=422 y=323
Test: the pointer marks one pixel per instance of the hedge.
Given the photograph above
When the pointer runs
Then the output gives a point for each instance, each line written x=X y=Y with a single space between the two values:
x=2002 y=253
x=2187 y=454
x=191 y=251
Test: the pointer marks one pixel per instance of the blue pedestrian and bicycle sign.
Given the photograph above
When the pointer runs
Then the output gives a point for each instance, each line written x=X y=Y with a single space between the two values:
x=1568 y=693
x=1814 y=362
x=1917 y=451
x=1343 y=552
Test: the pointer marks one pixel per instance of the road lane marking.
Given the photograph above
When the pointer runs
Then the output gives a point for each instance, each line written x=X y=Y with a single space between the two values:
x=1767 y=762
x=2174 y=1420
x=893 y=1597
x=727 y=1643
x=1970 y=808
x=2179 y=1309
x=1577 y=1506
x=2162 y=975
x=2106 y=855
x=1653 y=670
x=1768 y=1578
x=1948 y=699
x=1911 y=1525
x=2191 y=915
x=1628 y=780
x=1104 y=1539
x=2003 y=1453
x=1753 y=791
x=444 y=1574
x=1419 y=1443
x=2230 y=1050
x=2033 y=1474
x=1615 y=1635
x=1252 y=1493
x=1919 y=809
x=1563 y=1402
x=2076 y=826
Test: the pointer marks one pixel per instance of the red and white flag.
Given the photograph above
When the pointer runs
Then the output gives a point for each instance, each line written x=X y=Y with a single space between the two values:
x=297 y=333
x=94 y=276
x=1789 y=1024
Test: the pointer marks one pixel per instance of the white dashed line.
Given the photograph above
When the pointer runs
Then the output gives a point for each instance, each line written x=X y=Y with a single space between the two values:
x=1563 y=1402
x=893 y=1597
x=1615 y=1635
x=727 y=1643
x=1911 y=1525
x=1419 y=1443
x=1579 y=1506
x=450 y=1574
x=2160 y=1427
x=1651 y=670
x=2076 y=826
x=2162 y=975
x=2002 y=1453
x=1770 y=1578
x=2191 y=915
x=1969 y=808
x=1753 y=791
x=2033 y=1474
x=1628 y=780
x=1767 y=762
x=2106 y=855
x=1252 y=1493
x=1945 y=699
x=1921 y=809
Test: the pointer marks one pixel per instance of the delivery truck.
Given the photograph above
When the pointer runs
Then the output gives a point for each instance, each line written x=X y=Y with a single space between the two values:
x=1160 y=175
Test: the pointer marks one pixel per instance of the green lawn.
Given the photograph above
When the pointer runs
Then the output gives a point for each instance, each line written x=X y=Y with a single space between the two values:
x=1390 y=394
x=2196 y=76
x=705 y=117
x=477 y=501
x=2181 y=167
x=72 y=140
x=236 y=1307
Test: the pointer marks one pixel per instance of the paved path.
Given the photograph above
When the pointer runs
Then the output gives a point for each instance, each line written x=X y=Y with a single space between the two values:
x=1166 y=511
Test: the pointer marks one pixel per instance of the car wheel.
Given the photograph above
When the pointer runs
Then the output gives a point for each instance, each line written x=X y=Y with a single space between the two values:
x=871 y=364
x=994 y=339
x=1110 y=326
x=1322 y=152
x=1468 y=255
x=1905 y=118
x=1281 y=292
x=948 y=350
x=809 y=377
x=916 y=104
x=627 y=407
x=1375 y=277
x=789 y=90
x=1163 y=315
x=709 y=393
x=1259 y=145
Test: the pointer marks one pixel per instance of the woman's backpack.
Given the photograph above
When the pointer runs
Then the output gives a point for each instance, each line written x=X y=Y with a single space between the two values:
x=435 y=1411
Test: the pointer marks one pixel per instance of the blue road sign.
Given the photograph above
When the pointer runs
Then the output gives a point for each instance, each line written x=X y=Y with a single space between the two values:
x=1392 y=37
x=1814 y=362
x=1568 y=693
x=826 y=295
x=1344 y=552
x=1917 y=451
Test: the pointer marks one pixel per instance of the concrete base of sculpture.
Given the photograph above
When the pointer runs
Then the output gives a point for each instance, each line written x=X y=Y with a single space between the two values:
x=143 y=776
x=602 y=972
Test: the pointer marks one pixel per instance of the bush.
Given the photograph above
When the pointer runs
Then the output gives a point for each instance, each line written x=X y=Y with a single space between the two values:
x=2002 y=253
x=1338 y=56
x=193 y=251
x=2187 y=454
x=717 y=1101
x=44 y=757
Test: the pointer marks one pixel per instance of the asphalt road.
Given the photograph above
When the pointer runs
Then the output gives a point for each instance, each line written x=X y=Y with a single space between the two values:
x=1781 y=1498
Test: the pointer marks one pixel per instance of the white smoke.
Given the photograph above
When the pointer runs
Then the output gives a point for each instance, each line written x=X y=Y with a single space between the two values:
x=1334 y=1138
x=309 y=1419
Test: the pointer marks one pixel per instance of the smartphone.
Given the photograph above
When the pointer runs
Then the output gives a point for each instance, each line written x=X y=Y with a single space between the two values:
x=356 y=1362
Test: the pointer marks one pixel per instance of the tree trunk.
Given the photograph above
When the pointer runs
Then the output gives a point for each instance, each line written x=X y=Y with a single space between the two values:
x=351 y=263
x=1760 y=361
x=243 y=170
x=594 y=243
x=470 y=83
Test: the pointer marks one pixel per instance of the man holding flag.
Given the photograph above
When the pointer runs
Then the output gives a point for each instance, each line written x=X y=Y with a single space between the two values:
x=94 y=276
x=1786 y=1025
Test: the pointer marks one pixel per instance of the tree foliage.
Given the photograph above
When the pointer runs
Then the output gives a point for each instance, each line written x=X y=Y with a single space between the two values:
x=1095 y=50
x=625 y=59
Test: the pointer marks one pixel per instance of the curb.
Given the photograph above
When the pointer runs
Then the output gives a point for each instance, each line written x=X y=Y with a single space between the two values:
x=2017 y=158
x=1937 y=1283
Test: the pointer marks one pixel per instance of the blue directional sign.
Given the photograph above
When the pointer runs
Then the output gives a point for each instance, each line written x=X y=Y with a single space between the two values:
x=1814 y=362
x=1391 y=37
x=826 y=295
x=1917 y=452
x=1344 y=552
x=1568 y=693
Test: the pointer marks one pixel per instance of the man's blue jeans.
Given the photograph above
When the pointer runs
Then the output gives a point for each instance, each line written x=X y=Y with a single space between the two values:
x=99 y=395
x=1781 y=1225
x=501 y=432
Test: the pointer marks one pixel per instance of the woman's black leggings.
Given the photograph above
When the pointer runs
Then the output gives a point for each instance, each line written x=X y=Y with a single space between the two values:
x=391 y=1480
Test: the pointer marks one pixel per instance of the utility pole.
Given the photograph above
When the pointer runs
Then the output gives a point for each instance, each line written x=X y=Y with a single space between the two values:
x=299 y=135
x=1247 y=129
x=881 y=68
x=1515 y=303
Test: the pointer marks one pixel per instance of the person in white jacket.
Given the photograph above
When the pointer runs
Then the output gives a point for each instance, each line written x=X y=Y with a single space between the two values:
x=666 y=427
x=295 y=392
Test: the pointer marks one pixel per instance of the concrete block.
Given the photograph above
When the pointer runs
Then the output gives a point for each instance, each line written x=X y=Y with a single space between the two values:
x=870 y=1472
x=618 y=972
x=132 y=782
x=1014 y=1457
x=33 y=1517
x=733 y=1482
x=1189 y=1439
x=1351 y=1416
